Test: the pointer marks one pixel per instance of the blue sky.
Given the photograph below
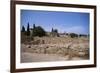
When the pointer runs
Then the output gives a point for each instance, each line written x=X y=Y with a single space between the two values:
x=63 y=21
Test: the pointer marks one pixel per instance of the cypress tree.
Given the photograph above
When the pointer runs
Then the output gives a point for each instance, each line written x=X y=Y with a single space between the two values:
x=52 y=30
x=23 y=29
x=28 y=29
x=33 y=26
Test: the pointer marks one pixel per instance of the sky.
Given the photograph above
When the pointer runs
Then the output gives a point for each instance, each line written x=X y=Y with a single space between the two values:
x=69 y=22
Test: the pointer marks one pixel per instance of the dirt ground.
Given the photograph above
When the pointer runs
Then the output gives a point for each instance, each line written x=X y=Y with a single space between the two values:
x=55 y=49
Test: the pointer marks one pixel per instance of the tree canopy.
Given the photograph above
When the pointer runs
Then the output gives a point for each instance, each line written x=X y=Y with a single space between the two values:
x=23 y=29
x=39 y=31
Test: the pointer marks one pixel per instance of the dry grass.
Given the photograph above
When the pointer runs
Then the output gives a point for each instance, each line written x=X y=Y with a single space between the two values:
x=68 y=48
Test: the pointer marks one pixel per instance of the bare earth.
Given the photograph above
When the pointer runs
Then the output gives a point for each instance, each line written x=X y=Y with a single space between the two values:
x=33 y=57
x=55 y=49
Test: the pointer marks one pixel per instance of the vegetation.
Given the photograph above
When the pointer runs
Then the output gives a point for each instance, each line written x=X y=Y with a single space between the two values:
x=54 y=32
x=72 y=35
x=83 y=35
x=33 y=26
x=28 y=29
x=39 y=31
x=23 y=29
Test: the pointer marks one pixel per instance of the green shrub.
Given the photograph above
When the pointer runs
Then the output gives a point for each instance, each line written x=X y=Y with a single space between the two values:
x=39 y=31
x=72 y=35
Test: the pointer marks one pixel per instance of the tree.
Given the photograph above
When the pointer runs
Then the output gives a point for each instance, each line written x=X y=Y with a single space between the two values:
x=56 y=31
x=39 y=31
x=23 y=29
x=28 y=29
x=83 y=35
x=52 y=30
x=72 y=35
x=33 y=26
